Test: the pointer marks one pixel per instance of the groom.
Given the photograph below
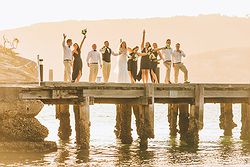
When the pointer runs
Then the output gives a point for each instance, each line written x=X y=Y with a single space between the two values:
x=106 y=59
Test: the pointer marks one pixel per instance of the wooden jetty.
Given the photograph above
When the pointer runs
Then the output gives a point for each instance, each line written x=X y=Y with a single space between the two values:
x=184 y=100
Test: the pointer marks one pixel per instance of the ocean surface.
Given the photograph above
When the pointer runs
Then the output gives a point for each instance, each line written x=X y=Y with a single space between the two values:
x=213 y=150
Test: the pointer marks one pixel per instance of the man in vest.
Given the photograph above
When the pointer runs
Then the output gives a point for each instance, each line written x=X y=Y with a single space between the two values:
x=106 y=60
x=178 y=65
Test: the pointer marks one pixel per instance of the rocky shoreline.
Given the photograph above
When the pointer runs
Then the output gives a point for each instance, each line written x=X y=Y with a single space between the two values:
x=20 y=130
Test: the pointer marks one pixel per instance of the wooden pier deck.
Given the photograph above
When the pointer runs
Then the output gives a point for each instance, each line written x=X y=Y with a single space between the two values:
x=187 y=100
x=116 y=93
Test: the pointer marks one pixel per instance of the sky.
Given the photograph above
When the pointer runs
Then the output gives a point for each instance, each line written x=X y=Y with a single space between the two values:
x=18 y=13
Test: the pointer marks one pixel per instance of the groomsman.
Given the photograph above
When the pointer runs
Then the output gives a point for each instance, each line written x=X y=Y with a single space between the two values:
x=178 y=65
x=93 y=61
x=67 y=58
x=106 y=60
x=167 y=54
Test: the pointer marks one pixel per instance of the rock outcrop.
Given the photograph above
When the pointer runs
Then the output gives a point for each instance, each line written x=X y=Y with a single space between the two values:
x=14 y=68
x=19 y=129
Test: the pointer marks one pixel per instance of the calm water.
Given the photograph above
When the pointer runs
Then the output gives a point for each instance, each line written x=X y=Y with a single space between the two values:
x=213 y=150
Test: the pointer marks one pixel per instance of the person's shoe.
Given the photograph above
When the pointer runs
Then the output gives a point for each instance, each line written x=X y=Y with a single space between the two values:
x=169 y=82
x=186 y=82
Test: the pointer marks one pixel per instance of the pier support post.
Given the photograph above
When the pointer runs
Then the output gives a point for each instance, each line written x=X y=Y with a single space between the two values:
x=245 y=119
x=196 y=116
x=226 y=118
x=193 y=127
x=125 y=135
x=62 y=113
x=183 y=121
x=136 y=111
x=82 y=123
x=172 y=118
x=146 y=124
x=118 y=122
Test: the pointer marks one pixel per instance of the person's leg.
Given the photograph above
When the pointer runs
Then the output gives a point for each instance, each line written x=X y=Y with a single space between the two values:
x=154 y=77
x=168 y=71
x=143 y=76
x=146 y=75
x=108 y=71
x=104 y=71
x=67 y=71
x=95 y=72
x=131 y=77
x=185 y=71
x=90 y=73
x=176 y=73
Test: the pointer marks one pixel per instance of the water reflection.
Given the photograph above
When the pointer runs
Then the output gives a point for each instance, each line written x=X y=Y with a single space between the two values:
x=82 y=156
x=212 y=150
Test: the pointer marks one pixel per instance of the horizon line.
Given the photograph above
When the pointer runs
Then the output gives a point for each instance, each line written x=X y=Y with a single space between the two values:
x=247 y=16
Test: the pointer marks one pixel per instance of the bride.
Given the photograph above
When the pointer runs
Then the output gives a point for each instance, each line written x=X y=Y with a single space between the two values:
x=122 y=63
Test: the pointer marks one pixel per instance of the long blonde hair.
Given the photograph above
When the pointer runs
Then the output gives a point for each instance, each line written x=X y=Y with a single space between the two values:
x=123 y=42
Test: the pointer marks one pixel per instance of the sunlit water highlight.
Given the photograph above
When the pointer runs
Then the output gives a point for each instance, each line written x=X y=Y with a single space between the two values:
x=213 y=150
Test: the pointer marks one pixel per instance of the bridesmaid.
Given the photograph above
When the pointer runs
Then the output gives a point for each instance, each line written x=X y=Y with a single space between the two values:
x=154 y=63
x=145 y=61
x=132 y=63
x=77 y=63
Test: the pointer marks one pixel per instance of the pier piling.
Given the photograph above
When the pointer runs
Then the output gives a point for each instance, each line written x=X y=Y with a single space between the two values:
x=82 y=123
x=183 y=121
x=146 y=124
x=245 y=119
x=63 y=115
x=125 y=123
x=226 y=118
x=172 y=119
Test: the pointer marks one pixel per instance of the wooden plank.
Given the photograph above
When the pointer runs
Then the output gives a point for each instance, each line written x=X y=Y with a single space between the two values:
x=174 y=94
x=226 y=94
x=113 y=94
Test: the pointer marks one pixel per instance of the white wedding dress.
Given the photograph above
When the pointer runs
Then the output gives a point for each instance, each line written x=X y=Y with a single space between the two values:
x=123 y=76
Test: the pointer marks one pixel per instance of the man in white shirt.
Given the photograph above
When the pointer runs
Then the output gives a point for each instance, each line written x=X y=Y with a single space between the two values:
x=93 y=61
x=178 y=65
x=166 y=54
x=67 y=58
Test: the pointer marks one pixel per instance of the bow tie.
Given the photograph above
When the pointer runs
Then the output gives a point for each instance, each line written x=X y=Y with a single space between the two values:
x=95 y=50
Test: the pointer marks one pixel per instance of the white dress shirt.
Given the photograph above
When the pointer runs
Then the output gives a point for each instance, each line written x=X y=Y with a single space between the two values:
x=67 y=53
x=177 y=56
x=93 y=57
x=167 y=53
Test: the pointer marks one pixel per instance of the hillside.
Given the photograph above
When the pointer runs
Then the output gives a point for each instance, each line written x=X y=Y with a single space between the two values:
x=201 y=36
x=14 y=68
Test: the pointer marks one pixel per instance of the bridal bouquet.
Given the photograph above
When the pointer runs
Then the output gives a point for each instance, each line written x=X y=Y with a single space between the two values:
x=134 y=57
x=151 y=53
x=84 y=31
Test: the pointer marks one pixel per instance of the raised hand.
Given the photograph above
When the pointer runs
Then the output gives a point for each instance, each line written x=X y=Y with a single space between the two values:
x=144 y=31
x=64 y=36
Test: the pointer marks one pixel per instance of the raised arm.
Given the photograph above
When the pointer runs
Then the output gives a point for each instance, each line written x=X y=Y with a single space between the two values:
x=142 y=54
x=114 y=54
x=130 y=50
x=63 y=43
x=162 y=58
x=183 y=54
x=82 y=41
x=143 y=39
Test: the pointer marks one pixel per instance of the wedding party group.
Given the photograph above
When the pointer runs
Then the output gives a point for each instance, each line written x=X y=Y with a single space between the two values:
x=147 y=55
